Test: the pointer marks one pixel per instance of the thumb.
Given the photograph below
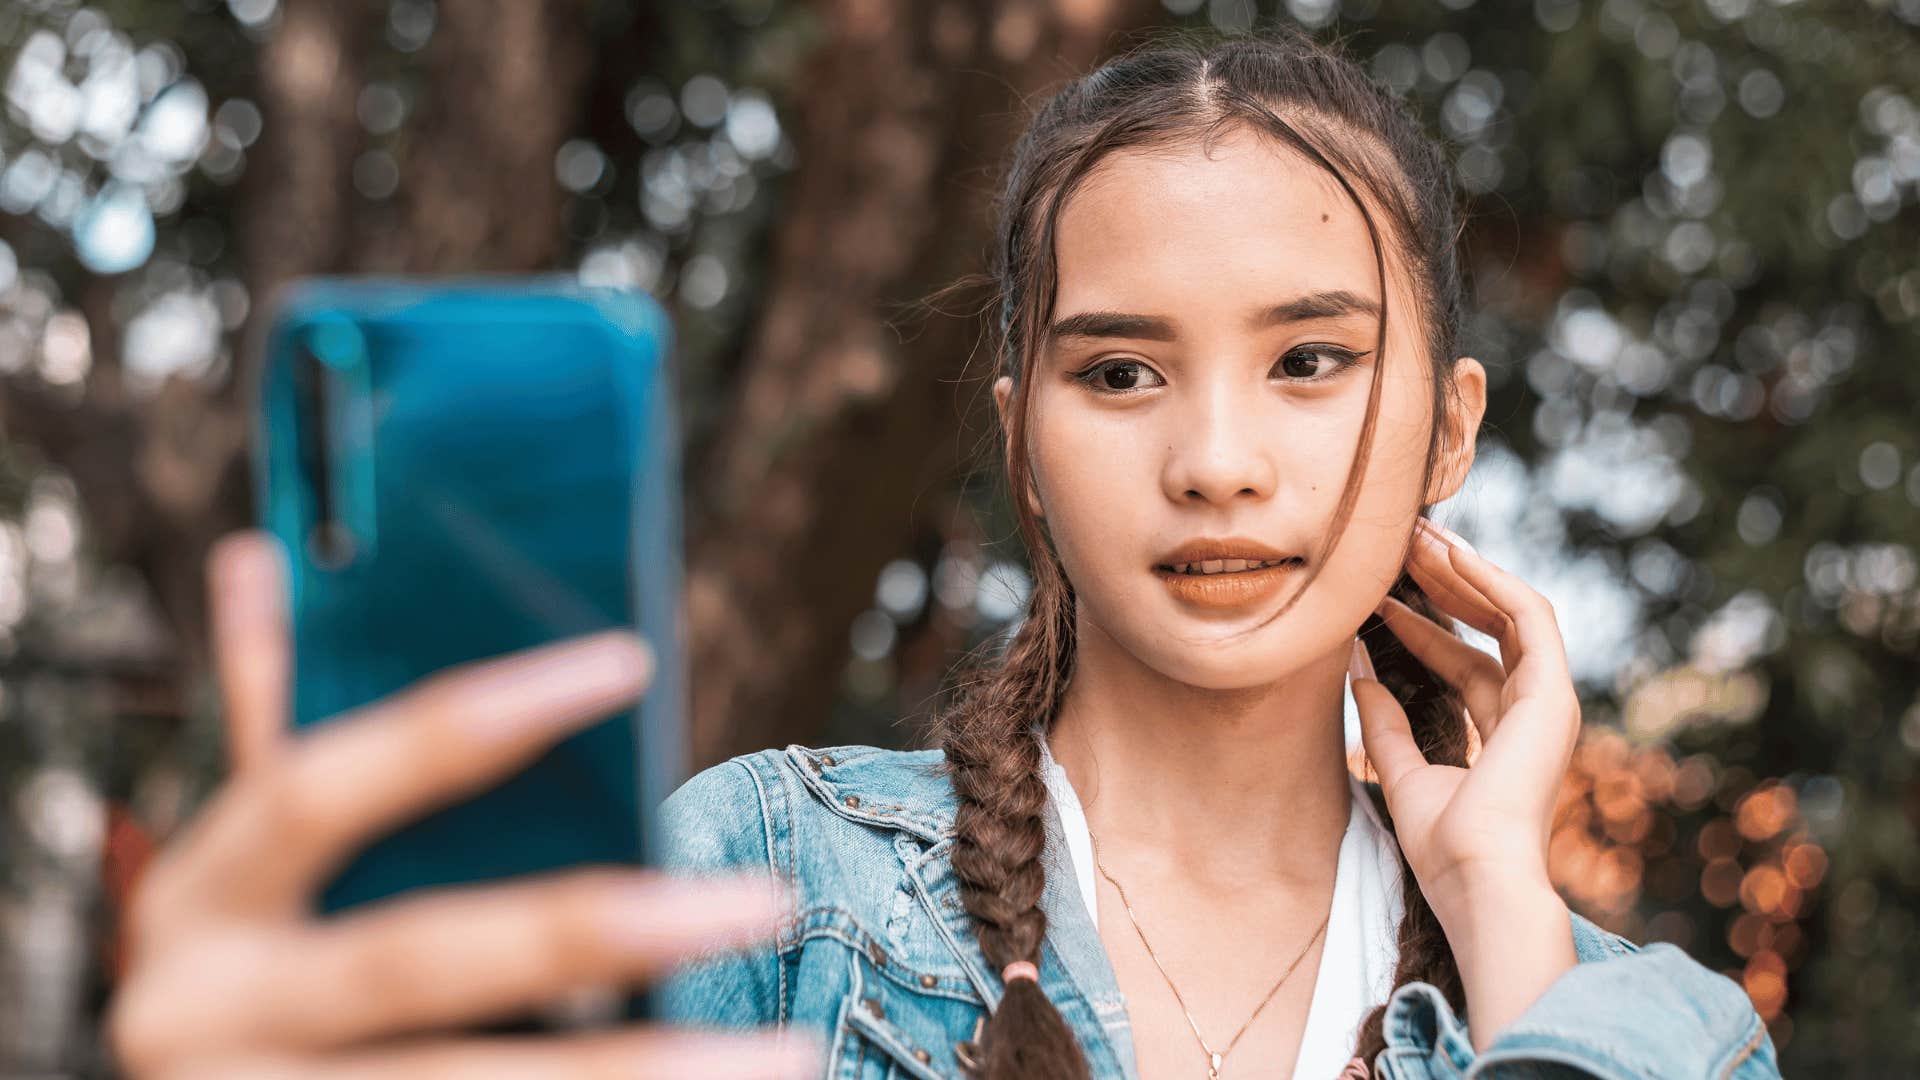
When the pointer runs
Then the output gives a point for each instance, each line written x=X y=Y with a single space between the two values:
x=247 y=616
x=1384 y=730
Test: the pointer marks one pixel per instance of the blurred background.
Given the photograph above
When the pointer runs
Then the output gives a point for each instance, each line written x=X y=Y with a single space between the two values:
x=1693 y=239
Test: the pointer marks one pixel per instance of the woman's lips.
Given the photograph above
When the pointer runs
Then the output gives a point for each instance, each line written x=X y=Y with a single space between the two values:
x=1236 y=588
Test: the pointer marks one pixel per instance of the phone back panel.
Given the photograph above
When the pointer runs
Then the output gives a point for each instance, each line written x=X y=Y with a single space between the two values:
x=461 y=469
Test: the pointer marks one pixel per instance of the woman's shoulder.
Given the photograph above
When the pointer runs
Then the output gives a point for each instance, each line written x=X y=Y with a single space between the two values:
x=745 y=809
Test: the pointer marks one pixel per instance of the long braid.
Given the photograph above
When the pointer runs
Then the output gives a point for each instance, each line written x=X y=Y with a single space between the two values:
x=999 y=831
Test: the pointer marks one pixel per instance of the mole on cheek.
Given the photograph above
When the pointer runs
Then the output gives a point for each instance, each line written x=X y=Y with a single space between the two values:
x=1324 y=218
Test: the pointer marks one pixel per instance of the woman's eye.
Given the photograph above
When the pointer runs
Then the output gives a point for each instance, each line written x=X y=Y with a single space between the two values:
x=1306 y=364
x=1311 y=362
x=1117 y=376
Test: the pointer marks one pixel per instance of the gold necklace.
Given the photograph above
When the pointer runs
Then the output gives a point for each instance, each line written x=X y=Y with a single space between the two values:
x=1214 y=1057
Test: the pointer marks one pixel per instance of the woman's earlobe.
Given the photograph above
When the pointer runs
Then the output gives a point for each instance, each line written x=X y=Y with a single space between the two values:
x=1002 y=393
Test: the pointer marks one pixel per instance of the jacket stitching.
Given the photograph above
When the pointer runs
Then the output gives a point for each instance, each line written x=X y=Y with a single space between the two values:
x=884 y=1039
x=842 y=1030
x=807 y=766
x=1745 y=1052
x=840 y=927
x=779 y=841
x=881 y=1035
x=942 y=927
x=1585 y=1062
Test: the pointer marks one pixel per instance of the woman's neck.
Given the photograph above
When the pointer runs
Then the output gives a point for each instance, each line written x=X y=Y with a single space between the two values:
x=1225 y=787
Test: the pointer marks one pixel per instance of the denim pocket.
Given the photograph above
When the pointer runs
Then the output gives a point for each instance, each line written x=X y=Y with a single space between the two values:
x=886 y=1031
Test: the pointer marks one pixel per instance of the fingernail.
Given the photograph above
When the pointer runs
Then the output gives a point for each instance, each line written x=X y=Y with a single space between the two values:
x=1359 y=663
x=245 y=560
x=611 y=661
x=1433 y=529
x=1452 y=537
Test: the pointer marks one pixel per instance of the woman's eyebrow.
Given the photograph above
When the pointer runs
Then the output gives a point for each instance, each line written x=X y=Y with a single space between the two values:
x=1326 y=304
x=1329 y=304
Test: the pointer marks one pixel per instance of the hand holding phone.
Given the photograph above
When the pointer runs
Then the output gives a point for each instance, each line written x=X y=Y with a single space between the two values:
x=232 y=974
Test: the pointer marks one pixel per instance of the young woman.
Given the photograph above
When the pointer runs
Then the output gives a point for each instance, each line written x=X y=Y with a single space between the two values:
x=1229 y=393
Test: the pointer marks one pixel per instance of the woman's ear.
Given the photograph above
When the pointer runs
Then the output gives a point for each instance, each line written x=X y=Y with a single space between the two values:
x=1002 y=400
x=1460 y=428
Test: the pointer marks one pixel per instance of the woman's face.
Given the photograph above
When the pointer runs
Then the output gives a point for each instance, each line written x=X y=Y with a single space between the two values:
x=1205 y=376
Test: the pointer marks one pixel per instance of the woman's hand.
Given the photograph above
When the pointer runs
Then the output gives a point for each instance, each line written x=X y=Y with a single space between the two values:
x=232 y=976
x=1476 y=838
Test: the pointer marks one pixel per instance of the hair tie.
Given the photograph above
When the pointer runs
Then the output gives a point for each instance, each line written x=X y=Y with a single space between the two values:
x=1020 y=969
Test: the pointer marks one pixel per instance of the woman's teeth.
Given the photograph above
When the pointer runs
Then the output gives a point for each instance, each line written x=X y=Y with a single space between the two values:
x=1223 y=566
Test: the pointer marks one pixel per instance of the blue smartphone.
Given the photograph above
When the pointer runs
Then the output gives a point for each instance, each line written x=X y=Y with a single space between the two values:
x=461 y=468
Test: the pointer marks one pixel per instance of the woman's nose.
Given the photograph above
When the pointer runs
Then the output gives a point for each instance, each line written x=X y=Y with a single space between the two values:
x=1220 y=446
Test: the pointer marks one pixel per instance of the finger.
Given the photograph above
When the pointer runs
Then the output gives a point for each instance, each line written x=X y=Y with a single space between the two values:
x=1481 y=612
x=247 y=617
x=1535 y=629
x=1476 y=675
x=1384 y=730
x=1542 y=721
x=351 y=779
x=634 y=1052
x=1431 y=568
x=475 y=953
x=1452 y=598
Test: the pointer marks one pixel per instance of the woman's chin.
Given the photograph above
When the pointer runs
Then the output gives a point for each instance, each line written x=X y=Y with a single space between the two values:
x=1221 y=668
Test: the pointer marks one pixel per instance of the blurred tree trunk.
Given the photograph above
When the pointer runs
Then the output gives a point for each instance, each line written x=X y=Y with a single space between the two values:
x=839 y=427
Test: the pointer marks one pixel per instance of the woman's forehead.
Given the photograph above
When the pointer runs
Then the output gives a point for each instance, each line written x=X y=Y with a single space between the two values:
x=1219 y=226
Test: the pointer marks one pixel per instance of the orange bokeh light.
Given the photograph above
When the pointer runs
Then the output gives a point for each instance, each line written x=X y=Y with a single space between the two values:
x=1765 y=811
x=1805 y=865
x=1766 y=981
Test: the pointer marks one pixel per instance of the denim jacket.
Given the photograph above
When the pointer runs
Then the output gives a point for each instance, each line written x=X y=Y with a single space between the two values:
x=879 y=958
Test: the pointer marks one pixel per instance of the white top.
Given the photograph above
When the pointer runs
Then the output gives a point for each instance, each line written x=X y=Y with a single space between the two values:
x=1356 y=963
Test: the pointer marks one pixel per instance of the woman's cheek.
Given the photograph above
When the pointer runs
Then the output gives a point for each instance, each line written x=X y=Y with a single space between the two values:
x=1090 y=503
x=1390 y=497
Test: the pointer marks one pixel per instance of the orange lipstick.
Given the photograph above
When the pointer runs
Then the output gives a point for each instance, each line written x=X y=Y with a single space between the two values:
x=1227 y=589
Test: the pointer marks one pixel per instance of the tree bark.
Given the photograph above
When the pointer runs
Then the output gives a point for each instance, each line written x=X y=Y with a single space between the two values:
x=479 y=194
